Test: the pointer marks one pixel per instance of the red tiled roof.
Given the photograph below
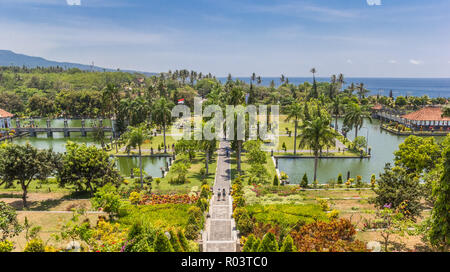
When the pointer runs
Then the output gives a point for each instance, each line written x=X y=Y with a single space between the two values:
x=377 y=107
x=427 y=114
x=5 y=114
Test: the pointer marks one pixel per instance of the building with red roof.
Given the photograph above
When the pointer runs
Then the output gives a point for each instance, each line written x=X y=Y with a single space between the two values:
x=5 y=119
x=427 y=118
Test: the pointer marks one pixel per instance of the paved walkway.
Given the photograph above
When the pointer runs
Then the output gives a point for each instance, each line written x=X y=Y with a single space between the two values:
x=220 y=234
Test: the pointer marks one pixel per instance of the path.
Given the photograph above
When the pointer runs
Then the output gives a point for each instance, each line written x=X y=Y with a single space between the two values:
x=220 y=234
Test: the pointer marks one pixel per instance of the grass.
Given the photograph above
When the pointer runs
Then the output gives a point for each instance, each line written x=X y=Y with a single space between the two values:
x=245 y=166
x=286 y=214
x=37 y=186
x=159 y=216
x=193 y=176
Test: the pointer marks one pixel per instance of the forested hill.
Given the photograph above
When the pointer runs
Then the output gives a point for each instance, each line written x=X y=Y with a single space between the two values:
x=9 y=58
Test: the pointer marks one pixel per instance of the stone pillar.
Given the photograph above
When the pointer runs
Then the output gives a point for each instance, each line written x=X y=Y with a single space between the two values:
x=83 y=128
x=66 y=128
x=49 y=128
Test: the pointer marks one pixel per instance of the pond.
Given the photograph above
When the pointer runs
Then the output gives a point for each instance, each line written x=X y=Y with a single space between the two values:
x=152 y=166
x=383 y=146
x=59 y=123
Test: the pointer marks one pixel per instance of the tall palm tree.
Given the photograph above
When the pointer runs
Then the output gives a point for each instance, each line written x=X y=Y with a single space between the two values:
x=295 y=112
x=332 y=86
x=135 y=137
x=341 y=81
x=237 y=97
x=314 y=94
x=317 y=134
x=162 y=111
x=362 y=91
x=337 y=109
x=354 y=117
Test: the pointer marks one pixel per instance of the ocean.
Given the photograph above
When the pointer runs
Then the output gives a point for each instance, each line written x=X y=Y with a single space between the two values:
x=433 y=87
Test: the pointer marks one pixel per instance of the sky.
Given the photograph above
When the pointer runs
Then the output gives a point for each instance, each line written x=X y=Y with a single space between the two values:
x=359 y=38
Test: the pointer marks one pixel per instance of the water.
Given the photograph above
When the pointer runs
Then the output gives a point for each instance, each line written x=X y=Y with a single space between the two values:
x=152 y=166
x=433 y=87
x=383 y=147
x=59 y=123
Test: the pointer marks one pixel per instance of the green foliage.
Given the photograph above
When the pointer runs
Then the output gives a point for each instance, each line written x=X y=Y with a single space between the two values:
x=9 y=225
x=87 y=168
x=359 y=143
x=304 y=182
x=162 y=243
x=288 y=245
x=175 y=242
x=268 y=243
x=440 y=215
x=183 y=241
x=6 y=246
x=395 y=186
x=286 y=214
x=276 y=180
x=35 y=245
x=248 y=246
x=416 y=154
x=24 y=163
x=108 y=199
x=340 y=180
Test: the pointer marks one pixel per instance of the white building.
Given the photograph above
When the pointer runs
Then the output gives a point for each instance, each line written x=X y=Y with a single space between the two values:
x=5 y=119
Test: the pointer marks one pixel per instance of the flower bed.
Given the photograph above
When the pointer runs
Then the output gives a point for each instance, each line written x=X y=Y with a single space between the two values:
x=168 y=199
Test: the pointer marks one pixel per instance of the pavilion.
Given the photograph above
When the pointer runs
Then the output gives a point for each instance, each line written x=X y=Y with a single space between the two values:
x=428 y=118
x=5 y=119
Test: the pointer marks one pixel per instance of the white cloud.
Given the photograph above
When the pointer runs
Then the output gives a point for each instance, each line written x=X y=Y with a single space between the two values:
x=415 y=62
x=392 y=61
x=349 y=61
x=374 y=2
x=73 y=2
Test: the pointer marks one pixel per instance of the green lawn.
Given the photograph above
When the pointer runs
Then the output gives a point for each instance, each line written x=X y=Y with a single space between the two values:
x=193 y=176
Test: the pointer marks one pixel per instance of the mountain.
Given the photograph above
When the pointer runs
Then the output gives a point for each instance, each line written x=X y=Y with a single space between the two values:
x=9 y=58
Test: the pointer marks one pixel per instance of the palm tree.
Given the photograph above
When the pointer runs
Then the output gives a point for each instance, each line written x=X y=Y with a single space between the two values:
x=362 y=91
x=162 y=111
x=295 y=112
x=237 y=97
x=341 y=81
x=332 y=86
x=354 y=117
x=317 y=134
x=111 y=99
x=314 y=94
x=336 y=109
x=135 y=137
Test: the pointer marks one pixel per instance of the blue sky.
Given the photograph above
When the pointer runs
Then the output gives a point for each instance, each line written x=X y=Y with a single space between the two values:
x=399 y=38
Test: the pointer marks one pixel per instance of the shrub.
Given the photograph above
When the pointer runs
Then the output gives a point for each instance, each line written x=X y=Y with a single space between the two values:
x=268 y=243
x=162 y=243
x=256 y=245
x=245 y=224
x=248 y=246
x=334 y=214
x=135 y=198
x=205 y=191
x=202 y=203
x=339 y=180
x=34 y=245
x=323 y=203
x=288 y=245
x=192 y=231
x=276 y=180
x=107 y=199
x=6 y=246
x=183 y=241
x=175 y=242
x=359 y=183
x=304 y=182
x=9 y=225
x=373 y=181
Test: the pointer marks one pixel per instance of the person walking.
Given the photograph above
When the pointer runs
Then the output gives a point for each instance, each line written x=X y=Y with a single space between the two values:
x=218 y=194
x=223 y=194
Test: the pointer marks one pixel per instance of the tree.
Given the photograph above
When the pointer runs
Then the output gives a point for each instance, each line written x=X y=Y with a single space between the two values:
x=395 y=187
x=440 y=215
x=268 y=243
x=188 y=147
x=25 y=163
x=337 y=109
x=314 y=93
x=248 y=246
x=417 y=154
x=108 y=199
x=288 y=245
x=304 y=182
x=135 y=137
x=162 y=243
x=87 y=168
x=162 y=112
x=295 y=112
x=317 y=134
x=237 y=97
x=361 y=91
x=354 y=117
x=276 y=181
x=9 y=225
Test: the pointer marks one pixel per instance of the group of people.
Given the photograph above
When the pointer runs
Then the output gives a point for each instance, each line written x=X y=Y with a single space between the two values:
x=222 y=193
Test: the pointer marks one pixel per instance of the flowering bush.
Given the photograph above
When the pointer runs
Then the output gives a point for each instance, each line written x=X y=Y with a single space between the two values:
x=168 y=199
